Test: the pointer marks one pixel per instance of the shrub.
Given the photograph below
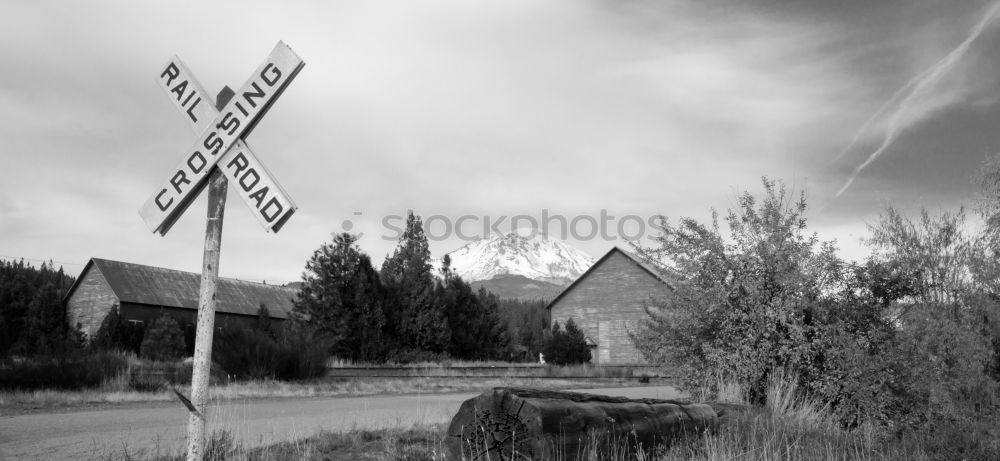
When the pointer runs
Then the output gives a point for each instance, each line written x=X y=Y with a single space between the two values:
x=295 y=351
x=247 y=353
x=407 y=356
x=566 y=347
x=164 y=340
x=148 y=375
x=66 y=372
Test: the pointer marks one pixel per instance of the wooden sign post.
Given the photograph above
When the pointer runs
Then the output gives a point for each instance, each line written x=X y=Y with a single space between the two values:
x=219 y=155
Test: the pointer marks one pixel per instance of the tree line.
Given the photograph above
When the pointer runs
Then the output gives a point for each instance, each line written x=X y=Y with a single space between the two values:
x=32 y=315
x=401 y=313
x=404 y=313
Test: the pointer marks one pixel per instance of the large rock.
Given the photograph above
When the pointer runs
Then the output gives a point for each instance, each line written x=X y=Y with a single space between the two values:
x=530 y=424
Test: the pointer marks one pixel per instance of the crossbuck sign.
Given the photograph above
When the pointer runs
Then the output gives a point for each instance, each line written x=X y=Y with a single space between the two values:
x=220 y=142
x=219 y=156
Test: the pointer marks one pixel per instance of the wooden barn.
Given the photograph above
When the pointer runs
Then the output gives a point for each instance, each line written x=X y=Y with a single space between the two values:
x=146 y=292
x=608 y=301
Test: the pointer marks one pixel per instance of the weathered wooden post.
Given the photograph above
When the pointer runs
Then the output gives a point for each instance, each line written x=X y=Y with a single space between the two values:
x=201 y=368
x=219 y=153
x=531 y=424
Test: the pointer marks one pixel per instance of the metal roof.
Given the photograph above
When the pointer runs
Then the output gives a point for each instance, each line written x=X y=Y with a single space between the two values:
x=157 y=286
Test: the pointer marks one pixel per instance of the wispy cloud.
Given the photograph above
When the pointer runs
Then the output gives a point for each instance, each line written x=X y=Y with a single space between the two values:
x=918 y=98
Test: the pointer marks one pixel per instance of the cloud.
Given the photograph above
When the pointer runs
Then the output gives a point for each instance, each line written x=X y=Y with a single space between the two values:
x=922 y=96
x=445 y=107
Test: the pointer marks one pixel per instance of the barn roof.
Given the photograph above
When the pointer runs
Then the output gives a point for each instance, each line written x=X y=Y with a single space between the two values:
x=157 y=286
x=655 y=272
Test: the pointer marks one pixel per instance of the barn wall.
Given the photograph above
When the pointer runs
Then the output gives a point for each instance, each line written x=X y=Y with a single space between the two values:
x=90 y=302
x=608 y=303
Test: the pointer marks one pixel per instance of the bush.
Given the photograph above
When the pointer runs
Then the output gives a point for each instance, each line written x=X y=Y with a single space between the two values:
x=67 y=372
x=164 y=340
x=150 y=376
x=407 y=356
x=566 y=347
x=295 y=351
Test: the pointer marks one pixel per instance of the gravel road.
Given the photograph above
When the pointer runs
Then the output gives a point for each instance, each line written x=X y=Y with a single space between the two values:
x=160 y=428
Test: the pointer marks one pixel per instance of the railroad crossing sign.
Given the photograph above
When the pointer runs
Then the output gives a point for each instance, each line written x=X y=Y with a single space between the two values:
x=220 y=142
x=220 y=155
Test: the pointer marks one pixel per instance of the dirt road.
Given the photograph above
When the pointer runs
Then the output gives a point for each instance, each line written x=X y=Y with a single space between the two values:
x=160 y=429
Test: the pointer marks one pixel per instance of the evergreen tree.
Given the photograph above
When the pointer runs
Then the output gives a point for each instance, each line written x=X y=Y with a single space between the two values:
x=566 y=347
x=525 y=325
x=164 y=340
x=476 y=333
x=115 y=333
x=263 y=321
x=46 y=321
x=412 y=311
x=577 y=350
x=32 y=316
x=342 y=296
x=552 y=348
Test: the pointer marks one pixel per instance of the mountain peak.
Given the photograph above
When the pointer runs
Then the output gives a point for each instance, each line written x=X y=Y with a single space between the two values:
x=526 y=252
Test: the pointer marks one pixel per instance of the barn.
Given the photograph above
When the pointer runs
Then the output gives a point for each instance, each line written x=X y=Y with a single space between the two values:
x=608 y=301
x=146 y=292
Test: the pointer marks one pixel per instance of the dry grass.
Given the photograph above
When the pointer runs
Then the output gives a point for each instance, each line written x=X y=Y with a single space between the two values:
x=789 y=427
x=112 y=393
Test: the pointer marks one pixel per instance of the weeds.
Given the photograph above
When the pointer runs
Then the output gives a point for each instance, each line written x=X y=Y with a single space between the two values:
x=61 y=372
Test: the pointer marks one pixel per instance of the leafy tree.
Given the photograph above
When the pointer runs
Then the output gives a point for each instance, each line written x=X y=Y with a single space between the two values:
x=343 y=297
x=741 y=304
x=566 y=347
x=164 y=340
x=948 y=326
x=412 y=311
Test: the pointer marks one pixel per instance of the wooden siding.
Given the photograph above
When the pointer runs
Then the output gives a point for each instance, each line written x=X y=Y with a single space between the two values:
x=91 y=301
x=608 y=302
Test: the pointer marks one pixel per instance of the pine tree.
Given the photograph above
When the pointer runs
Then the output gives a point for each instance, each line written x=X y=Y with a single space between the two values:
x=46 y=321
x=22 y=285
x=577 y=350
x=566 y=347
x=419 y=321
x=342 y=296
x=164 y=340
x=115 y=333
x=476 y=333
x=263 y=321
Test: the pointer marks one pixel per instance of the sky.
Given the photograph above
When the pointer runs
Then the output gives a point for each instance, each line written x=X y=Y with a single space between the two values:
x=489 y=110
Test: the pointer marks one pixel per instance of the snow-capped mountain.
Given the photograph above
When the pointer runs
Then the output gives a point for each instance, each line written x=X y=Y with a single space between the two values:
x=538 y=258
